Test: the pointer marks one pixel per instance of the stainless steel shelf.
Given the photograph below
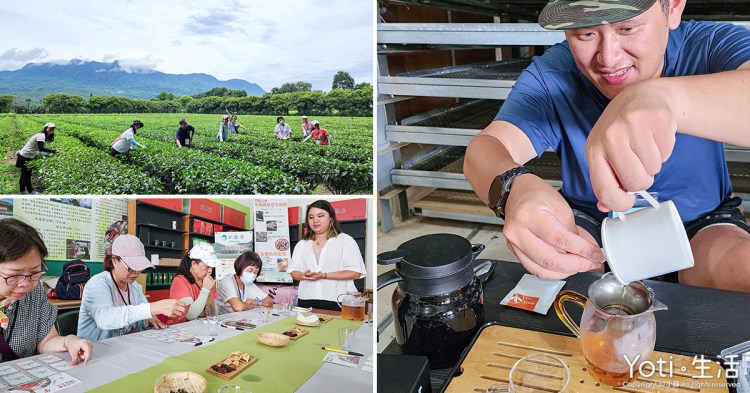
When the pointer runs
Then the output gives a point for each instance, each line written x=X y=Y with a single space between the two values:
x=488 y=34
x=491 y=80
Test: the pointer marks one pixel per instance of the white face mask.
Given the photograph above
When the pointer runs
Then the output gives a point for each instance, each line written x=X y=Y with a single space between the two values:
x=248 y=278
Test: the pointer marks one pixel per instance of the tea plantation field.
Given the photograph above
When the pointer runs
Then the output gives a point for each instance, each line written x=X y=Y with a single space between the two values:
x=252 y=162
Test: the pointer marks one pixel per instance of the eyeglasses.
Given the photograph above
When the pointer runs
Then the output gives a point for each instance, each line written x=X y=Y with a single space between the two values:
x=17 y=279
x=130 y=271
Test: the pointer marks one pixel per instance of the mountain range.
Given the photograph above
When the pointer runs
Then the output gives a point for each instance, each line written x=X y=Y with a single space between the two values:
x=85 y=78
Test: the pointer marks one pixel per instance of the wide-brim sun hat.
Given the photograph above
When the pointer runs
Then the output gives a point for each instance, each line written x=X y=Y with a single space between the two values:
x=206 y=253
x=576 y=14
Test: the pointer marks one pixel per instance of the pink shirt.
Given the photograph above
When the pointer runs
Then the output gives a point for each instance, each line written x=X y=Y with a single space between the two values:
x=181 y=288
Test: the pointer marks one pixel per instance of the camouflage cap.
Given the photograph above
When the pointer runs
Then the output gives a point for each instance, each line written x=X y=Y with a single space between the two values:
x=575 y=14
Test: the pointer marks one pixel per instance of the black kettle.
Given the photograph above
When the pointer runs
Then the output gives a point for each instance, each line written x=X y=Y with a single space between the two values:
x=437 y=305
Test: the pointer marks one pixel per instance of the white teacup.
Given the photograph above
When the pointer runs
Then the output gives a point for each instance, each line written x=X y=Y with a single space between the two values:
x=646 y=243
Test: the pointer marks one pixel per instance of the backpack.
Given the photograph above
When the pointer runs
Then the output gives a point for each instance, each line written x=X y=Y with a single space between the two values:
x=74 y=276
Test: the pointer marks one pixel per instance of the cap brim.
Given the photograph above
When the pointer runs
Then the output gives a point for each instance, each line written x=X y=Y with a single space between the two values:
x=211 y=262
x=137 y=263
x=564 y=15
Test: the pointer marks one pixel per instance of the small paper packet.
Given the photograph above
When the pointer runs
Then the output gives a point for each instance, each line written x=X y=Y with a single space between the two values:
x=533 y=294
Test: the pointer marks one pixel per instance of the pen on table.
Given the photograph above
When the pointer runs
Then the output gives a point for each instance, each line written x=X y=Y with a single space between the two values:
x=201 y=342
x=342 y=351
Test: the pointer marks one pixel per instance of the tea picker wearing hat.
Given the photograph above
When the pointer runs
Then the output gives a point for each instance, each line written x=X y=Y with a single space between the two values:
x=29 y=151
x=320 y=135
x=113 y=303
x=633 y=99
x=307 y=127
x=193 y=284
x=27 y=319
x=224 y=129
x=282 y=131
x=126 y=141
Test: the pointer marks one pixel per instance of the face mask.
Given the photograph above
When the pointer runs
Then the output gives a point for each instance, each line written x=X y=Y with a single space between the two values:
x=248 y=278
x=281 y=121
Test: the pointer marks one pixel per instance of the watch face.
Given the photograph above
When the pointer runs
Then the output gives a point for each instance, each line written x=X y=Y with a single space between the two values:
x=496 y=192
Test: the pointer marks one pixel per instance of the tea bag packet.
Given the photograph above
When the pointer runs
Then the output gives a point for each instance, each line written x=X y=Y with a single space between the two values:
x=533 y=294
x=640 y=203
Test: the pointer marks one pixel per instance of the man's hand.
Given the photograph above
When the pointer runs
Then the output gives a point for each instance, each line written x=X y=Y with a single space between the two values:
x=540 y=229
x=628 y=144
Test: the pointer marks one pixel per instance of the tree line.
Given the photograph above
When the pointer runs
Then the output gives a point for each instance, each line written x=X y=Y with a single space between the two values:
x=345 y=99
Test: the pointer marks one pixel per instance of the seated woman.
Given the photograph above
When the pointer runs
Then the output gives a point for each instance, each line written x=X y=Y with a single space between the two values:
x=113 y=305
x=326 y=262
x=193 y=284
x=30 y=325
x=238 y=292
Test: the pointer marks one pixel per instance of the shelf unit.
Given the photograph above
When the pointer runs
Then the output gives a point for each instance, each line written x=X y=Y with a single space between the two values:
x=431 y=93
x=192 y=234
x=150 y=223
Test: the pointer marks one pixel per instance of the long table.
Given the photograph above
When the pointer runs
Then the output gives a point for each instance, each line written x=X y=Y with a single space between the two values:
x=132 y=363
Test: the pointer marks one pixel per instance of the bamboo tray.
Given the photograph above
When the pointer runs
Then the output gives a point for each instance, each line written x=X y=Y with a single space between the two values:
x=300 y=332
x=324 y=318
x=228 y=376
x=498 y=347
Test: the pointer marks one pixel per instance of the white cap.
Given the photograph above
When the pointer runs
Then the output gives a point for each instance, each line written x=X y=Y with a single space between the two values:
x=50 y=125
x=314 y=122
x=304 y=117
x=130 y=249
x=205 y=252
x=225 y=117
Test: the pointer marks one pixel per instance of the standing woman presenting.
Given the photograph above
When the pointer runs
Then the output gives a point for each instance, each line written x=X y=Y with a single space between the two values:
x=30 y=151
x=326 y=262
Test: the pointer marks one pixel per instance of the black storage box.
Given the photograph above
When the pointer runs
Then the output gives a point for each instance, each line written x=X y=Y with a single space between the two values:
x=403 y=374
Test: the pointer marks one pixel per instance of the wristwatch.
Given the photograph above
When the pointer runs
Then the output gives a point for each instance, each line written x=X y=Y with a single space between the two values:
x=500 y=188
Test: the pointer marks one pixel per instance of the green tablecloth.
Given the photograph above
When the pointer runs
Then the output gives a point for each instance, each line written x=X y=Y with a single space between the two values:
x=280 y=370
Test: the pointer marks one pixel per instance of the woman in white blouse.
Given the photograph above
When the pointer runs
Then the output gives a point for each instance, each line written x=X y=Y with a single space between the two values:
x=326 y=262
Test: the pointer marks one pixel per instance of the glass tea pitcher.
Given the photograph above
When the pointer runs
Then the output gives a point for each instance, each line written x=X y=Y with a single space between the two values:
x=352 y=306
x=617 y=329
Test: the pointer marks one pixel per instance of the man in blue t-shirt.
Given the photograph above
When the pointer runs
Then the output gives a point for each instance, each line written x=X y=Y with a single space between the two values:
x=184 y=135
x=634 y=99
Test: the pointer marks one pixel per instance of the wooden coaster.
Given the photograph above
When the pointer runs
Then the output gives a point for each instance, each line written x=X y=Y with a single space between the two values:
x=324 y=318
x=299 y=331
x=240 y=367
x=498 y=348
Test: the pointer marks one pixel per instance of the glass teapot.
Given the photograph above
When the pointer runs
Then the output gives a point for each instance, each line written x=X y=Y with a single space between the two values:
x=618 y=328
x=352 y=305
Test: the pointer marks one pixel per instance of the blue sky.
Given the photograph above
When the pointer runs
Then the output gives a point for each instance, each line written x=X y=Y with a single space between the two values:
x=265 y=42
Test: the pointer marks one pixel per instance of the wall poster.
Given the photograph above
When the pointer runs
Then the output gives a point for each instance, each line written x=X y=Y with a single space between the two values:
x=271 y=225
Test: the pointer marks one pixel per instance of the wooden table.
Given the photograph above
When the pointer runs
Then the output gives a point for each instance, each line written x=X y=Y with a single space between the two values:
x=700 y=321
x=65 y=304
